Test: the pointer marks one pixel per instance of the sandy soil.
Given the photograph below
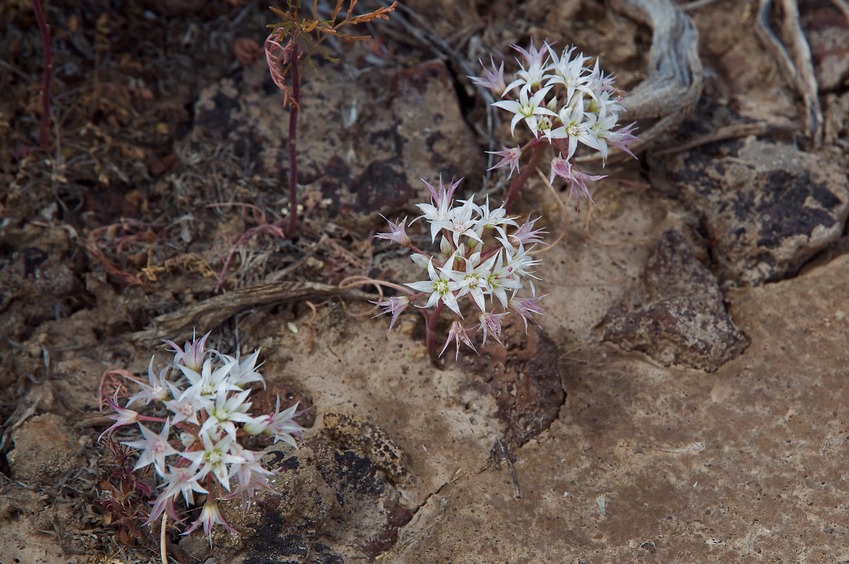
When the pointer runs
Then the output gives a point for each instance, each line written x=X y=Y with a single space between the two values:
x=682 y=401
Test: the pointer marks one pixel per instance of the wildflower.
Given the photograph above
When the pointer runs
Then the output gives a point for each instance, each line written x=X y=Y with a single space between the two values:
x=531 y=76
x=441 y=286
x=156 y=391
x=181 y=481
x=457 y=333
x=463 y=222
x=282 y=426
x=576 y=126
x=397 y=233
x=191 y=356
x=474 y=280
x=438 y=212
x=123 y=416
x=492 y=79
x=249 y=475
x=509 y=157
x=577 y=180
x=206 y=383
x=484 y=255
x=526 y=234
x=214 y=458
x=496 y=218
x=155 y=447
x=569 y=72
x=227 y=410
x=564 y=103
x=394 y=306
x=210 y=407
x=491 y=323
x=210 y=516
x=526 y=307
x=528 y=109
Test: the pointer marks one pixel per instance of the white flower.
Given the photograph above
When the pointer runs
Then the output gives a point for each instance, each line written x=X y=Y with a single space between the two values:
x=158 y=388
x=569 y=72
x=438 y=212
x=192 y=355
x=208 y=418
x=215 y=458
x=577 y=126
x=227 y=410
x=209 y=381
x=537 y=64
x=282 y=426
x=441 y=286
x=474 y=280
x=155 y=447
x=464 y=220
x=243 y=372
x=493 y=219
x=528 y=109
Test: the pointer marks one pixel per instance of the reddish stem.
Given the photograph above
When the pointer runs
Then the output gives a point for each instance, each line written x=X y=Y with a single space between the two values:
x=294 y=106
x=44 y=129
x=519 y=182
x=431 y=323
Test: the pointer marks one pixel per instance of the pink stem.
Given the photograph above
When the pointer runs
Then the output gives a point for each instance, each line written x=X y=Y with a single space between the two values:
x=520 y=180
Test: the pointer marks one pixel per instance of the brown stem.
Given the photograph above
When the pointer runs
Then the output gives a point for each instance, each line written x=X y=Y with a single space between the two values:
x=294 y=106
x=44 y=129
x=519 y=182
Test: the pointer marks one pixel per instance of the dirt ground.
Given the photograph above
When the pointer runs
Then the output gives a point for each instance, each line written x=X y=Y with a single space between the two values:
x=683 y=399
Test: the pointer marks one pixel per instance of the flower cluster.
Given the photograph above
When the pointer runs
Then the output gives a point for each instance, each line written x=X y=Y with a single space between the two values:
x=562 y=102
x=192 y=416
x=484 y=260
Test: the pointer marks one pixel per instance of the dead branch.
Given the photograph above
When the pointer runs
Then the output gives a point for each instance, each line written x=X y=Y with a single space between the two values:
x=214 y=311
x=674 y=82
x=794 y=61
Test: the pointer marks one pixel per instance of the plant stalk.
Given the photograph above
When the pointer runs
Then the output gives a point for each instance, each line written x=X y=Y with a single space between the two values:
x=519 y=182
x=44 y=128
x=294 y=106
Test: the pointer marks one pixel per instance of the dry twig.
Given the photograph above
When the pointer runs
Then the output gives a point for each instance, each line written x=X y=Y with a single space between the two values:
x=796 y=64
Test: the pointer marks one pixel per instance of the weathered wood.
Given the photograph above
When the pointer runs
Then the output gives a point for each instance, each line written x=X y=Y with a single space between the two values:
x=214 y=311
x=673 y=85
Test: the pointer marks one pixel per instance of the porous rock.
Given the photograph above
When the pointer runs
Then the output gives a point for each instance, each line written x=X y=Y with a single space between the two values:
x=676 y=315
x=767 y=207
x=44 y=450
x=523 y=376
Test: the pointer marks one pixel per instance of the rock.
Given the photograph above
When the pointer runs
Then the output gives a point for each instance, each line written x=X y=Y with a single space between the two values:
x=323 y=495
x=44 y=450
x=767 y=207
x=365 y=139
x=677 y=314
x=524 y=378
